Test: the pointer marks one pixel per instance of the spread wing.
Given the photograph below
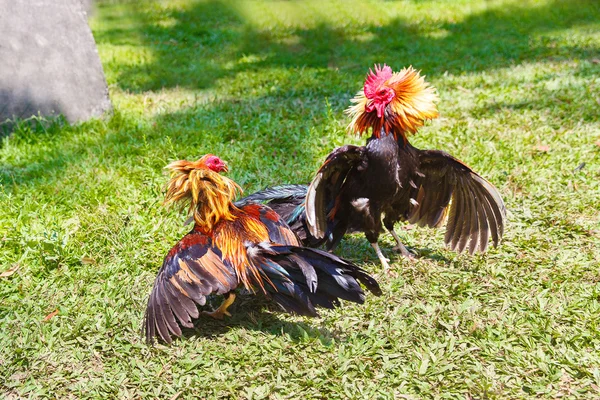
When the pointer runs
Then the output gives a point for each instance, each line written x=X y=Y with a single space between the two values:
x=192 y=270
x=448 y=188
x=326 y=185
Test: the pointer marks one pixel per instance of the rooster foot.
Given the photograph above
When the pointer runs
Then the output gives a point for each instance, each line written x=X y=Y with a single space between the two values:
x=220 y=312
x=382 y=259
x=386 y=271
x=405 y=252
x=391 y=273
x=401 y=248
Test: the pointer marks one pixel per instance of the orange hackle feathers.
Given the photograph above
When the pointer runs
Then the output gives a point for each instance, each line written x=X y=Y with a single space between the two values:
x=208 y=193
x=230 y=239
x=210 y=197
x=395 y=102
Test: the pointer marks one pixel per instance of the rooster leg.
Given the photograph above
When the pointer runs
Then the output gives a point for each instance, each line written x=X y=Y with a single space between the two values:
x=222 y=310
x=382 y=258
x=401 y=247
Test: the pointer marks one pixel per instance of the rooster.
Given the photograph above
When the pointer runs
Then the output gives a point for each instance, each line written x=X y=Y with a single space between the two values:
x=231 y=246
x=390 y=178
x=366 y=188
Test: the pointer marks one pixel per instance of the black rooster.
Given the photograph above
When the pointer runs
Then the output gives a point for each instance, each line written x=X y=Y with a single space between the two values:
x=366 y=188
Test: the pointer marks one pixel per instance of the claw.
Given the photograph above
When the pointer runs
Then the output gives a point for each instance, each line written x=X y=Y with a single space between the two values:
x=404 y=252
x=216 y=314
x=400 y=247
x=384 y=260
x=220 y=312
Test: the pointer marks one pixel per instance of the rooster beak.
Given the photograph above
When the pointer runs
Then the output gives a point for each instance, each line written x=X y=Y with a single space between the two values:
x=224 y=167
x=378 y=107
x=380 y=110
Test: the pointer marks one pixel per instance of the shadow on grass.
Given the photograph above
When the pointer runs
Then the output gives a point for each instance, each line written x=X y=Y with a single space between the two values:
x=259 y=314
x=568 y=102
x=236 y=131
x=212 y=40
x=356 y=247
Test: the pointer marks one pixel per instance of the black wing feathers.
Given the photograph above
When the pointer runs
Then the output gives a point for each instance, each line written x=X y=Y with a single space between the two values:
x=473 y=206
x=311 y=277
x=192 y=270
x=326 y=185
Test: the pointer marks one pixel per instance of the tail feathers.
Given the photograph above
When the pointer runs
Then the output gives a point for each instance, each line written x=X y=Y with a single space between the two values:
x=281 y=192
x=308 y=272
x=335 y=281
x=303 y=278
x=293 y=267
x=298 y=295
x=324 y=300
x=289 y=287
x=294 y=307
x=358 y=274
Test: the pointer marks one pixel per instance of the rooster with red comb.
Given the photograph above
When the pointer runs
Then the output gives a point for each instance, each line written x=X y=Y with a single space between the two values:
x=243 y=245
x=367 y=188
x=397 y=103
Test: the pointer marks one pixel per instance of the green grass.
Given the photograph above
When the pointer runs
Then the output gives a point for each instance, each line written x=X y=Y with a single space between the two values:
x=263 y=84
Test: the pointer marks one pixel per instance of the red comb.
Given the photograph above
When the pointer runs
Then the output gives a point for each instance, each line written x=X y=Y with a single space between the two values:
x=375 y=79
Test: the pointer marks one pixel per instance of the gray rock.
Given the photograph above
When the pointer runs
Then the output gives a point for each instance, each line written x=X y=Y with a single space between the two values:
x=49 y=64
x=88 y=6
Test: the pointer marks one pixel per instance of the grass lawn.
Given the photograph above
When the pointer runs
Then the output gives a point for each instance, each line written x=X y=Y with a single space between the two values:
x=263 y=84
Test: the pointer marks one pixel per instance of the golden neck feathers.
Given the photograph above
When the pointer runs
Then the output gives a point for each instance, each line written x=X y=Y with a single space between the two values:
x=208 y=194
x=395 y=102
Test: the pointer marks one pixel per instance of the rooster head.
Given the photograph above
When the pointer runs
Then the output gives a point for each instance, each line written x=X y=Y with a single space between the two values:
x=395 y=102
x=375 y=89
x=200 y=185
x=214 y=163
